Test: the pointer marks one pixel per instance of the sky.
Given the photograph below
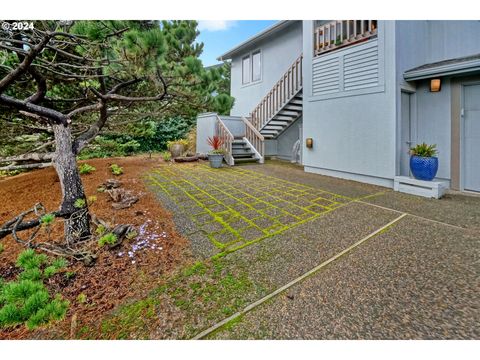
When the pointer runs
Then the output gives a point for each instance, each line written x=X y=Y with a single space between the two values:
x=219 y=36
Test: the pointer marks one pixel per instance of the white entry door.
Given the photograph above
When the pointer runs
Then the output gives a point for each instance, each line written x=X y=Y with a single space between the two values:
x=471 y=138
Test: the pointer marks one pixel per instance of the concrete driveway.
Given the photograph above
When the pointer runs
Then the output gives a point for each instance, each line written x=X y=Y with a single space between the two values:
x=339 y=259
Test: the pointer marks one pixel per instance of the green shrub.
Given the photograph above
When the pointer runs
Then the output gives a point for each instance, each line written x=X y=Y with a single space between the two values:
x=109 y=239
x=181 y=142
x=47 y=219
x=80 y=203
x=167 y=156
x=104 y=146
x=100 y=230
x=82 y=298
x=166 y=130
x=2 y=248
x=86 y=169
x=116 y=170
x=26 y=300
x=424 y=150
x=6 y=173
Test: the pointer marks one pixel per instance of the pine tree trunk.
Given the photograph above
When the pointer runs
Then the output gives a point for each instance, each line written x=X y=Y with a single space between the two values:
x=77 y=225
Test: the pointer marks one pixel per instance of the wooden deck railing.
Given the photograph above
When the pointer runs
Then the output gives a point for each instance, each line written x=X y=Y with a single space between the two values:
x=227 y=137
x=340 y=33
x=281 y=93
x=255 y=138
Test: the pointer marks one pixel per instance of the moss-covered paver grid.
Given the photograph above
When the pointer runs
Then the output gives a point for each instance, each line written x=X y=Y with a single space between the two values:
x=237 y=207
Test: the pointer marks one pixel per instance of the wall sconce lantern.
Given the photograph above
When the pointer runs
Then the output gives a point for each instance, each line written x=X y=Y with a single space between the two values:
x=309 y=143
x=435 y=85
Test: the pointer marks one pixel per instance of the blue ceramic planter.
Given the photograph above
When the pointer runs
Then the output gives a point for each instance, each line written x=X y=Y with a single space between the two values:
x=424 y=168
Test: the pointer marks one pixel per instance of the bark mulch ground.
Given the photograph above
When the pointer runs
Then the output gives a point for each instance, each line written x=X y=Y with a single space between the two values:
x=124 y=273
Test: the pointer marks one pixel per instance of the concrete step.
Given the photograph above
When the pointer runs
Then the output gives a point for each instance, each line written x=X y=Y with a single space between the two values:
x=243 y=156
x=242 y=151
x=246 y=160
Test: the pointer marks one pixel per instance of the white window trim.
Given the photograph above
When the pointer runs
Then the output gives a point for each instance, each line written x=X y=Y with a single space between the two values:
x=250 y=76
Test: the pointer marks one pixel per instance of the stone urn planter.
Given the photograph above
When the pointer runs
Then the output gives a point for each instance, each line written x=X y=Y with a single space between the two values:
x=176 y=150
x=177 y=147
x=423 y=162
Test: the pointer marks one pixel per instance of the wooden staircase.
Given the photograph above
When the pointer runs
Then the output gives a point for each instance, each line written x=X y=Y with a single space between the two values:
x=283 y=118
x=242 y=152
x=282 y=105
x=272 y=116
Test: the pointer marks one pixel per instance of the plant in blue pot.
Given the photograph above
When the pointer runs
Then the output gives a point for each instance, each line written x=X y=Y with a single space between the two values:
x=423 y=161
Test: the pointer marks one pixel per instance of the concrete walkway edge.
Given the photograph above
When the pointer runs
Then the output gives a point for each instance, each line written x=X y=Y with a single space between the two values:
x=295 y=281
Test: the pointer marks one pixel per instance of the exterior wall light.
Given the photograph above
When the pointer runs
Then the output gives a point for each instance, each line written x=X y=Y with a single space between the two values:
x=435 y=85
x=309 y=143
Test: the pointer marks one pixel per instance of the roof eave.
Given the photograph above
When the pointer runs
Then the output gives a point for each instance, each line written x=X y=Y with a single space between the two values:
x=446 y=70
x=261 y=35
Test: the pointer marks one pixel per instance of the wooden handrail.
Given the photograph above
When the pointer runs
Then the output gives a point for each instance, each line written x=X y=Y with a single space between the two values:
x=256 y=132
x=227 y=137
x=340 y=33
x=255 y=138
x=281 y=93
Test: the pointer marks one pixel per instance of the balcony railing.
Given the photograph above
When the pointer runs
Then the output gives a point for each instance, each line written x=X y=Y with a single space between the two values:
x=340 y=33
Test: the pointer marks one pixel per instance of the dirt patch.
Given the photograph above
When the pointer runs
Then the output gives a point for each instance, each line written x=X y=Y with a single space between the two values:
x=127 y=272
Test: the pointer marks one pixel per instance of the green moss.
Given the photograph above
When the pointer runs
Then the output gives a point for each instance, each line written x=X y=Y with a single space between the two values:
x=208 y=290
x=224 y=200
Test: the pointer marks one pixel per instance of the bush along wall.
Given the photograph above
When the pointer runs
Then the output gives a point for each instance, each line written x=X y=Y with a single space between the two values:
x=141 y=137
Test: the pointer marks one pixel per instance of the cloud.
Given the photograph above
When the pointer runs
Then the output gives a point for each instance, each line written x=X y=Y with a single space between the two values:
x=215 y=25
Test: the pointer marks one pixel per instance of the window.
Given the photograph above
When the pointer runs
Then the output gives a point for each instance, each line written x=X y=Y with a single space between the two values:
x=246 y=70
x=256 y=66
x=252 y=67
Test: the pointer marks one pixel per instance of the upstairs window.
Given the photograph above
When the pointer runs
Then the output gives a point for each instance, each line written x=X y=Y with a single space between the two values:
x=256 y=66
x=252 y=67
x=246 y=70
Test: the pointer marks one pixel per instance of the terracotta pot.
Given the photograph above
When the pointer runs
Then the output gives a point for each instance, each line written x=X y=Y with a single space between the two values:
x=176 y=150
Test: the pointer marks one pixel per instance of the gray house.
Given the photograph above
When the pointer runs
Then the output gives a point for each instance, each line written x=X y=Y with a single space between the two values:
x=347 y=98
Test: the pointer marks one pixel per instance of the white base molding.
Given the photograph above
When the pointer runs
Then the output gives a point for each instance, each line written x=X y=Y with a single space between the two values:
x=429 y=189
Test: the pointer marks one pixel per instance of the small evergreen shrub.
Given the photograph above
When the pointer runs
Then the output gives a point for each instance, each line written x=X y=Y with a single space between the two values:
x=47 y=219
x=86 y=169
x=100 y=230
x=107 y=239
x=82 y=298
x=80 y=203
x=116 y=170
x=26 y=300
